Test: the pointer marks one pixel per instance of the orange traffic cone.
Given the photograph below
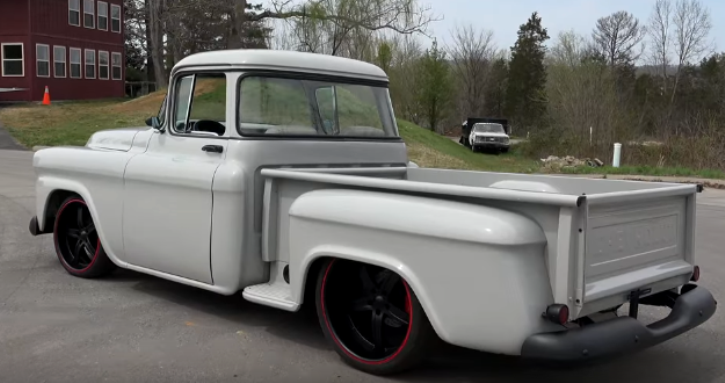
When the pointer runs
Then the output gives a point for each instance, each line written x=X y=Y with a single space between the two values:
x=46 y=96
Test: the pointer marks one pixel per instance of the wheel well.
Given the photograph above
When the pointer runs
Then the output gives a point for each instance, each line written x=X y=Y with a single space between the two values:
x=311 y=281
x=53 y=204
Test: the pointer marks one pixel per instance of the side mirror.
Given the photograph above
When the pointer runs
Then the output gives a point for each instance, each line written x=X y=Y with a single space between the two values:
x=153 y=122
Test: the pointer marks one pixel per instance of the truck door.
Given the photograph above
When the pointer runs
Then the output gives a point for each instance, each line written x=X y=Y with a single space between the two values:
x=167 y=203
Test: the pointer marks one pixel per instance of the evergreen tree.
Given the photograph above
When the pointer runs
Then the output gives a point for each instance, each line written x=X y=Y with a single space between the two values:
x=434 y=86
x=525 y=94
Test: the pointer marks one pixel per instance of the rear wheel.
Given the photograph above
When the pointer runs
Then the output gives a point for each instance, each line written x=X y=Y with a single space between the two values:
x=77 y=243
x=372 y=317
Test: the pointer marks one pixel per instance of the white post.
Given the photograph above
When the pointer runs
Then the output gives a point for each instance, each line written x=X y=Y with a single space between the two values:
x=591 y=132
x=617 y=154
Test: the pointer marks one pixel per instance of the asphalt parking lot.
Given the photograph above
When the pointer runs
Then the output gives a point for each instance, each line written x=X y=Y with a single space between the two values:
x=136 y=328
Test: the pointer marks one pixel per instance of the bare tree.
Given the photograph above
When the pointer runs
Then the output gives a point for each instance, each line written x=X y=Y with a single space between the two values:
x=471 y=53
x=349 y=28
x=659 y=31
x=156 y=26
x=403 y=73
x=682 y=34
x=582 y=95
x=692 y=28
x=617 y=36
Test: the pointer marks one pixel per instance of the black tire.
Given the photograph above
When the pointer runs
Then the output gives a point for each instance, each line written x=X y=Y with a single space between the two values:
x=77 y=243
x=505 y=150
x=349 y=305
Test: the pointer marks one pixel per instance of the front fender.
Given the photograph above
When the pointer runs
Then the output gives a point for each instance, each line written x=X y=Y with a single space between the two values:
x=97 y=176
x=478 y=271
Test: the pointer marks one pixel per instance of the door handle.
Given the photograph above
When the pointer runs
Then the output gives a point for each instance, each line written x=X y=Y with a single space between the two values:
x=212 y=148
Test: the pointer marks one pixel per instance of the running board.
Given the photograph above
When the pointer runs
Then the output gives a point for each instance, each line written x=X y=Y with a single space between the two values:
x=277 y=293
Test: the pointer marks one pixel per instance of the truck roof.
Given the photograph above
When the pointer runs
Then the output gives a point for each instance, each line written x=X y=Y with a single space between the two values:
x=286 y=61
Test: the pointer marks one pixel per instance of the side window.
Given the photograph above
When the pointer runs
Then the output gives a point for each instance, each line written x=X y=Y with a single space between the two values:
x=201 y=104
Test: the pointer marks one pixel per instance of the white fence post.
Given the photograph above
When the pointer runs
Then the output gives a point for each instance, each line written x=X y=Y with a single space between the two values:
x=617 y=154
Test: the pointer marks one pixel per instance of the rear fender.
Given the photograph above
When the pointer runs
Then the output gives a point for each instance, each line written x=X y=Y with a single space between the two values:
x=479 y=272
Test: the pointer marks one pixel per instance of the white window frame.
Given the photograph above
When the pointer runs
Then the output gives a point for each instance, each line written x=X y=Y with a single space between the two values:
x=86 y=64
x=3 y=59
x=38 y=60
x=80 y=63
x=92 y=13
x=78 y=10
x=119 y=66
x=120 y=18
x=56 y=61
x=107 y=66
x=98 y=13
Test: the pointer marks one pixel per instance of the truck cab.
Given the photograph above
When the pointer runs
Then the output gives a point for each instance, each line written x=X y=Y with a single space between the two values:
x=282 y=175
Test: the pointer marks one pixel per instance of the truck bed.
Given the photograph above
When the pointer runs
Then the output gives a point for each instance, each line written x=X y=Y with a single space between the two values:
x=605 y=238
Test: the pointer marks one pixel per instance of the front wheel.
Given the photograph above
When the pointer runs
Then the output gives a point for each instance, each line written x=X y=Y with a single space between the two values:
x=372 y=317
x=77 y=243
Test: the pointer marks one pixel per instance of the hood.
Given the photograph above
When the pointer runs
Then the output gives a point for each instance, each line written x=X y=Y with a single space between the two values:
x=114 y=139
x=489 y=134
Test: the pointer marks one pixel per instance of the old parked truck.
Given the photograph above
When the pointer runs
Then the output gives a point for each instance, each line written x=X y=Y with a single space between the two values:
x=282 y=175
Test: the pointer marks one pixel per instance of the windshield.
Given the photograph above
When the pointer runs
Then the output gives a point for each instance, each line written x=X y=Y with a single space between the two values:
x=276 y=106
x=488 y=128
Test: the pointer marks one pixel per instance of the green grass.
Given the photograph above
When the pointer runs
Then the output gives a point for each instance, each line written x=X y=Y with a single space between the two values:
x=66 y=123
x=454 y=155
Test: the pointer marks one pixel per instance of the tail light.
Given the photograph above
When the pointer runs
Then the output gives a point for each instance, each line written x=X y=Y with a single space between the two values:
x=695 y=274
x=557 y=313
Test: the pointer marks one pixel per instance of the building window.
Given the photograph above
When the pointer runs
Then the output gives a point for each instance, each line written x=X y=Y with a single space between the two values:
x=13 y=59
x=102 y=16
x=59 y=68
x=74 y=12
x=115 y=18
x=89 y=13
x=103 y=65
x=42 y=59
x=90 y=63
x=75 y=63
x=116 y=65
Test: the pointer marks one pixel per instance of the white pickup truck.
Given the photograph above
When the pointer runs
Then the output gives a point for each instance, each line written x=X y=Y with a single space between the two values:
x=282 y=175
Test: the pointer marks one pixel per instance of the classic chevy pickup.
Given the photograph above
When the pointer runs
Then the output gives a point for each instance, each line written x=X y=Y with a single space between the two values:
x=282 y=175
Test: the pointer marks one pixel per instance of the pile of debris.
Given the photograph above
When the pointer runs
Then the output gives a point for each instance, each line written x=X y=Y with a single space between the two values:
x=570 y=162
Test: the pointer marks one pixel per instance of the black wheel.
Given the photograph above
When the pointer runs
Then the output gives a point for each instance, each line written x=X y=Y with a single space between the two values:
x=77 y=243
x=372 y=317
x=505 y=150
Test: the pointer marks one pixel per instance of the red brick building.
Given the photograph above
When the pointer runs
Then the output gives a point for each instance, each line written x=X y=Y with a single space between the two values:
x=75 y=47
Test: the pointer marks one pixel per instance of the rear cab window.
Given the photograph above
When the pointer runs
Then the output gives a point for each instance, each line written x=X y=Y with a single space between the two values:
x=284 y=107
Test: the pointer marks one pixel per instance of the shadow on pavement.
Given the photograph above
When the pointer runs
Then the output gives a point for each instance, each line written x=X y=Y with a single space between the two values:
x=449 y=363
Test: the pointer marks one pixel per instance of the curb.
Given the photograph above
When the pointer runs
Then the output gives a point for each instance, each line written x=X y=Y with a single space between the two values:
x=38 y=147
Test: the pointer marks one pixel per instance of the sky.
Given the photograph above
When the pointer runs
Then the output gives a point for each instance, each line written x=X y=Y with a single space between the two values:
x=504 y=17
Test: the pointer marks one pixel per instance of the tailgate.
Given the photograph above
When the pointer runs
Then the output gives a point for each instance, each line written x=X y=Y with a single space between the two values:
x=640 y=240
